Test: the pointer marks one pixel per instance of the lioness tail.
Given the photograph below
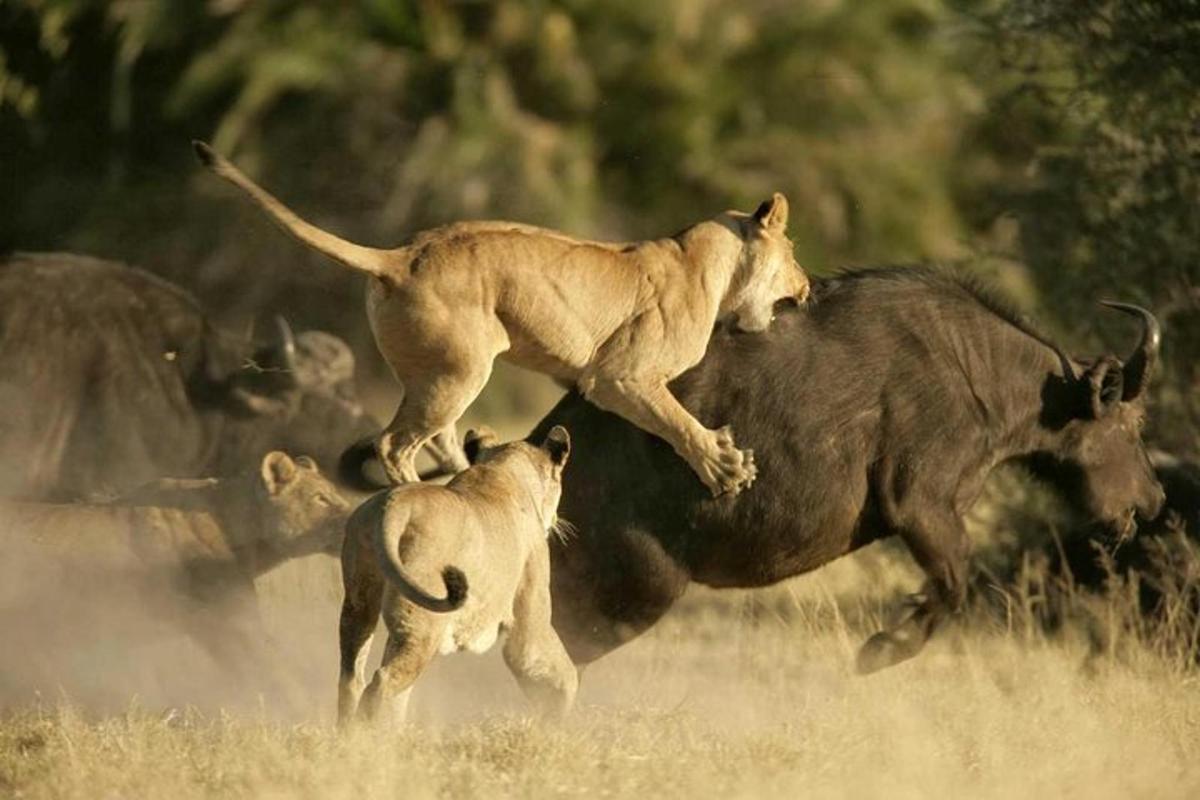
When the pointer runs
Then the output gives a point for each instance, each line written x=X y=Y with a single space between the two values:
x=365 y=259
x=387 y=540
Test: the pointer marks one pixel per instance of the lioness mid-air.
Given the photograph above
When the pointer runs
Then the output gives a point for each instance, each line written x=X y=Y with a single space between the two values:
x=617 y=320
x=483 y=536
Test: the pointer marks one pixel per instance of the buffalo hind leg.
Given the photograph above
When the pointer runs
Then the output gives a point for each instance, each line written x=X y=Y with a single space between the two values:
x=942 y=549
x=596 y=609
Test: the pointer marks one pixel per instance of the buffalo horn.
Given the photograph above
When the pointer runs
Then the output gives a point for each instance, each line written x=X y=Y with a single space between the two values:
x=1140 y=364
x=286 y=344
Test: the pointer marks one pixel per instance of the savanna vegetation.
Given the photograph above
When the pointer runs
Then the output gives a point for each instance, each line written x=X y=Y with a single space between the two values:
x=1051 y=145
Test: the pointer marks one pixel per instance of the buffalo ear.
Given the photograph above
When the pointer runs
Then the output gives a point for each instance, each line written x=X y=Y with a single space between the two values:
x=278 y=470
x=476 y=441
x=1104 y=383
x=223 y=356
x=773 y=214
x=558 y=445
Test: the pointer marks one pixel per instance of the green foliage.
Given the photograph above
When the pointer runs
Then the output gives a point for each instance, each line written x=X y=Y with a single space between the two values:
x=900 y=129
x=620 y=118
x=1114 y=205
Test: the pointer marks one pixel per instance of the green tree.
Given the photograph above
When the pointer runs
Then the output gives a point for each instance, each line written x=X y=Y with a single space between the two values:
x=1112 y=207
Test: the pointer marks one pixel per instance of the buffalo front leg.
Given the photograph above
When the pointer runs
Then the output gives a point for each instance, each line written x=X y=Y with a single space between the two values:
x=712 y=455
x=943 y=550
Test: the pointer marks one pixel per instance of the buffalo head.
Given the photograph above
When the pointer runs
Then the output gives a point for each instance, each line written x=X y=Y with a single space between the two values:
x=295 y=393
x=1095 y=454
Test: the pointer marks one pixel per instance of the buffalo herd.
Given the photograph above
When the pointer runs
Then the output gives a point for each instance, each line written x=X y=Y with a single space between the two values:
x=877 y=409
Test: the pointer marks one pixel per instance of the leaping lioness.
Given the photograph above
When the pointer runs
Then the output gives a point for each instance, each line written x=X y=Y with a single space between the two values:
x=618 y=320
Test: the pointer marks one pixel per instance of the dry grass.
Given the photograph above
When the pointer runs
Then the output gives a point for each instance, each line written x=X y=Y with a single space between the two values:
x=736 y=694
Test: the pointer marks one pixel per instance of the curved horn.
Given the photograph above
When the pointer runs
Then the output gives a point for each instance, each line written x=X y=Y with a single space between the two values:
x=287 y=344
x=1140 y=364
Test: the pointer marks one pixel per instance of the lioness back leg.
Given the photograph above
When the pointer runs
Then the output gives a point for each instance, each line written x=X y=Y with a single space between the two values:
x=363 y=584
x=438 y=387
x=650 y=405
x=412 y=643
x=447 y=450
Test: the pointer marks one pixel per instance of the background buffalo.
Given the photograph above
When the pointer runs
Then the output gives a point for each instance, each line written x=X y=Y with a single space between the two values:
x=111 y=377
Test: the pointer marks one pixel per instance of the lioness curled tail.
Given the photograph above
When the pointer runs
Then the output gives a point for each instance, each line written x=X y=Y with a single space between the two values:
x=482 y=536
x=186 y=551
x=619 y=321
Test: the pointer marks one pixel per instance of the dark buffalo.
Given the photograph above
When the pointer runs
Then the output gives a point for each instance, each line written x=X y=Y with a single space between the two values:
x=111 y=377
x=877 y=410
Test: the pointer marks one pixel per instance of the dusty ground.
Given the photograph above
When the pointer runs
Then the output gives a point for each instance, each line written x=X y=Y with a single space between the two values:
x=737 y=694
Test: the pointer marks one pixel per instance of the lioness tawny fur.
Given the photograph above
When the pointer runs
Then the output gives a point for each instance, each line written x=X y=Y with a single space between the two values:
x=483 y=537
x=617 y=320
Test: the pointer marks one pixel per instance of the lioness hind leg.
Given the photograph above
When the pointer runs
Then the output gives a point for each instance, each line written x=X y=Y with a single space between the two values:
x=409 y=650
x=448 y=451
x=356 y=630
x=431 y=406
x=713 y=455
x=363 y=585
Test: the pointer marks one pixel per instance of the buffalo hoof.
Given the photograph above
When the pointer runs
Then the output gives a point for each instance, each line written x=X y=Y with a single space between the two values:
x=885 y=649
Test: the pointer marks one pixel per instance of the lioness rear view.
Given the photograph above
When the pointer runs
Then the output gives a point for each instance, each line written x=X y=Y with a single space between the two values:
x=483 y=536
x=617 y=320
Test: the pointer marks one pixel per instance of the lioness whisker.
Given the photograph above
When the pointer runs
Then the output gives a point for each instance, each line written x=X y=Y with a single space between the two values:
x=564 y=530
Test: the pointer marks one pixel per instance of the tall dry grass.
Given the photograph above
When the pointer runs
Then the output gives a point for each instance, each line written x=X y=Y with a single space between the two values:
x=736 y=694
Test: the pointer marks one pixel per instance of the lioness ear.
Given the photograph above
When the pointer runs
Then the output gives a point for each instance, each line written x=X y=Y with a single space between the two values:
x=476 y=441
x=278 y=470
x=773 y=213
x=306 y=462
x=558 y=445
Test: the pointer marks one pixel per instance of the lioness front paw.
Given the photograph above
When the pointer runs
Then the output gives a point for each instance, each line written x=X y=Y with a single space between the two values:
x=727 y=470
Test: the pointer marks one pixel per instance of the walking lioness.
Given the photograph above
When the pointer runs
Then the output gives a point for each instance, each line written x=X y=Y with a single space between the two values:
x=483 y=536
x=617 y=320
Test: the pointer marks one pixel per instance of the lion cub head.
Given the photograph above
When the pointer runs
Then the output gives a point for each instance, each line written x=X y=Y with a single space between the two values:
x=767 y=271
x=300 y=510
x=539 y=467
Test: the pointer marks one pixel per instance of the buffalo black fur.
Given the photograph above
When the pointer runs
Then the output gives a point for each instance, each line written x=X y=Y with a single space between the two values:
x=878 y=409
